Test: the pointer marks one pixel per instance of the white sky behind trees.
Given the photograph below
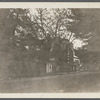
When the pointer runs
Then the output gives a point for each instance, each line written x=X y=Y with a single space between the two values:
x=77 y=43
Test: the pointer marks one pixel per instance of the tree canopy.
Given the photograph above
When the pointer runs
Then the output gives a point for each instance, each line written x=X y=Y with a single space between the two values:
x=30 y=34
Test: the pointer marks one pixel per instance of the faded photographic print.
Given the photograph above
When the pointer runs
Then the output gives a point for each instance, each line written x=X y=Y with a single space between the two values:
x=49 y=50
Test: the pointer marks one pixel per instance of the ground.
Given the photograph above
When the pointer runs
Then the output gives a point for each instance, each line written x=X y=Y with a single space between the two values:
x=72 y=82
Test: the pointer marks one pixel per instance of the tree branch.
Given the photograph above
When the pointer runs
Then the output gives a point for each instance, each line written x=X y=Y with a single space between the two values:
x=73 y=40
x=57 y=24
x=50 y=29
x=70 y=36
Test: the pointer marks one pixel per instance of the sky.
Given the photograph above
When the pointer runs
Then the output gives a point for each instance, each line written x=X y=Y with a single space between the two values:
x=77 y=43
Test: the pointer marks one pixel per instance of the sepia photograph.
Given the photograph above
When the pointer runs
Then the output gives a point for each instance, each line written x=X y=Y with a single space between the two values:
x=49 y=49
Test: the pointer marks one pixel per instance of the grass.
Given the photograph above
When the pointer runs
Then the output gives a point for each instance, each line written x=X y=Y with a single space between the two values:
x=67 y=83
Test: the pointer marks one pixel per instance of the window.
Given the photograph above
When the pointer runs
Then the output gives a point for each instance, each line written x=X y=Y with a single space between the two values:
x=49 y=67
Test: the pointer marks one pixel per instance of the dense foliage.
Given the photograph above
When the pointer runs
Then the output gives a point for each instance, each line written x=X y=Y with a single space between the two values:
x=38 y=35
